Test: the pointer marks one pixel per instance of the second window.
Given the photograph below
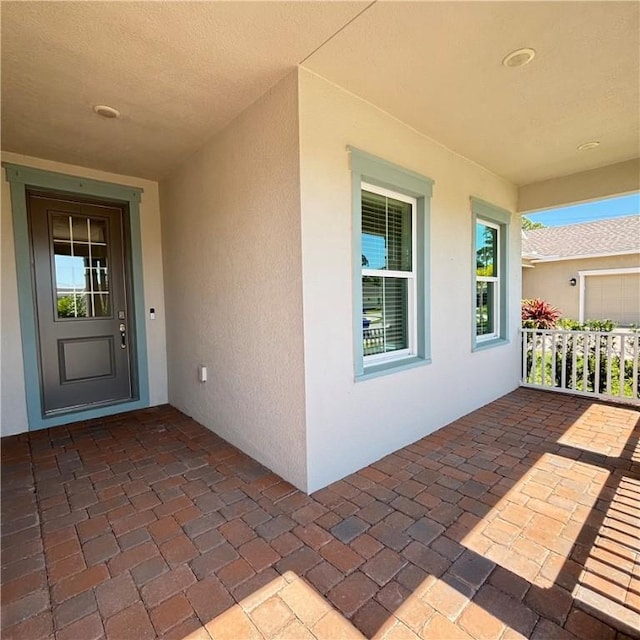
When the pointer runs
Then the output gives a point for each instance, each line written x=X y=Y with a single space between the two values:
x=487 y=280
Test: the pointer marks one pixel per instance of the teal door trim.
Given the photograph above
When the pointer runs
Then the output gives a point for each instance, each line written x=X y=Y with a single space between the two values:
x=19 y=178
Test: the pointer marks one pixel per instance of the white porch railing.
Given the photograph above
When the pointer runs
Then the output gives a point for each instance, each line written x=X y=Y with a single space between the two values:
x=600 y=364
x=373 y=340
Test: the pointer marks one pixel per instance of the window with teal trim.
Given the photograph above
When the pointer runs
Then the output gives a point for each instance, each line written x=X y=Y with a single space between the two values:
x=391 y=278
x=488 y=261
x=490 y=288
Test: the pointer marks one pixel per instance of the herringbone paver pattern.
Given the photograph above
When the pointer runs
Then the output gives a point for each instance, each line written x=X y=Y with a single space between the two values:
x=519 y=520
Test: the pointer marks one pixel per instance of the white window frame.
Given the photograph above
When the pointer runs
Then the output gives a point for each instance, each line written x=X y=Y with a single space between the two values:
x=485 y=213
x=410 y=276
x=494 y=279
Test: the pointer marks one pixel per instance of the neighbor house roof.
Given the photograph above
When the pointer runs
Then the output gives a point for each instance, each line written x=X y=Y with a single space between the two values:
x=602 y=237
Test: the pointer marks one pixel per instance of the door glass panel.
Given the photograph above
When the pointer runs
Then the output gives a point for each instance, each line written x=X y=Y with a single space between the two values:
x=99 y=278
x=61 y=228
x=101 y=305
x=81 y=266
x=88 y=229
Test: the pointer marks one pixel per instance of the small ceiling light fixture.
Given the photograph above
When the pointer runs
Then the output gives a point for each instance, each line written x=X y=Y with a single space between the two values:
x=106 y=112
x=573 y=282
x=519 y=58
x=585 y=146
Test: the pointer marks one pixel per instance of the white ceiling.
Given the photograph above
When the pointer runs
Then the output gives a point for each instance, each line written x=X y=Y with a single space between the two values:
x=438 y=67
x=180 y=71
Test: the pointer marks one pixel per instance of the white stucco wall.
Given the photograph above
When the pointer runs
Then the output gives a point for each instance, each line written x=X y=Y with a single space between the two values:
x=351 y=424
x=231 y=229
x=13 y=411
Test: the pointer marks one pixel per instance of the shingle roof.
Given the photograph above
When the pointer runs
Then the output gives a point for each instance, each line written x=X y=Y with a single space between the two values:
x=617 y=235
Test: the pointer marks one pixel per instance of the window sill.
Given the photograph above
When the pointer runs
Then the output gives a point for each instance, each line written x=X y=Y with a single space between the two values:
x=489 y=344
x=386 y=368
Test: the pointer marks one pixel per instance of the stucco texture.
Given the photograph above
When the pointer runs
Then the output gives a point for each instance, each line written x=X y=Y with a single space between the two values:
x=549 y=281
x=13 y=412
x=350 y=424
x=231 y=229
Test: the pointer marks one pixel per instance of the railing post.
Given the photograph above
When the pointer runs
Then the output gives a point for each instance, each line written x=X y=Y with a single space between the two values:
x=563 y=363
x=574 y=358
x=634 y=367
x=596 y=377
x=609 y=369
x=621 y=377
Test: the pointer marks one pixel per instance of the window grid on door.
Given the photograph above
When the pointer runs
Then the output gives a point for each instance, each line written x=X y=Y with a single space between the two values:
x=81 y=269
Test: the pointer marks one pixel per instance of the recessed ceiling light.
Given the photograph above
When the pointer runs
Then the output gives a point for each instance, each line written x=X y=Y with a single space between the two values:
x=519 y=58
x=106 y=112
x=588 y=145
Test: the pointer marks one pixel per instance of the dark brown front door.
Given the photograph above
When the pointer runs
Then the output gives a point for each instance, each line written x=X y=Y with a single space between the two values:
x=81 y=302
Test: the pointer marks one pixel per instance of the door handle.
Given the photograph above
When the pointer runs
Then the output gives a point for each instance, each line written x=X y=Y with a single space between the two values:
x=123 y=336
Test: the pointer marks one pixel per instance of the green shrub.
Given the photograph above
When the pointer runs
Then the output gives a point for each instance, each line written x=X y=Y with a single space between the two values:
x=590 y=325
x=600 y=325
x=569 y=325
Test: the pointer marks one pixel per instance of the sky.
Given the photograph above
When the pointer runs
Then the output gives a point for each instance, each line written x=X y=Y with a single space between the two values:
x=600 y=210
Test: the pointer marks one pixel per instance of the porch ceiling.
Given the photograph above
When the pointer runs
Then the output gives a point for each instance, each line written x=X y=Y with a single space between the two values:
x=180 y=71
x=177 y=71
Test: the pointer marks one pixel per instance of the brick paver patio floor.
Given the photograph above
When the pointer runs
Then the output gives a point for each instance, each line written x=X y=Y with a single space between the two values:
x=519 y=520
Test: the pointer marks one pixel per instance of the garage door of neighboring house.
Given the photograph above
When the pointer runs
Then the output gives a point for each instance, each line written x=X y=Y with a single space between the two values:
x=612 y=296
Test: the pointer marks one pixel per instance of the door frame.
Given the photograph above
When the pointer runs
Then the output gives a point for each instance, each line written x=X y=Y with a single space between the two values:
x=21 y=178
